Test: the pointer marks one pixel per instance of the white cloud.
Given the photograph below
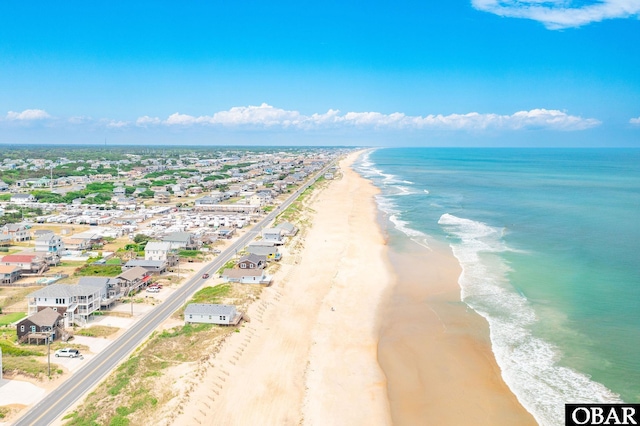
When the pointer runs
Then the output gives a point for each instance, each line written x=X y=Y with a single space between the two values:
x=635 y=121
x=28 y=115
x=146 y=121
x=116 y=124
x=558 y=14
x=268 y=116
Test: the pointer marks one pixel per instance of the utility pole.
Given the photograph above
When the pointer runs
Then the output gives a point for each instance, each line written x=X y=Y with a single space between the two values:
x=49 y=355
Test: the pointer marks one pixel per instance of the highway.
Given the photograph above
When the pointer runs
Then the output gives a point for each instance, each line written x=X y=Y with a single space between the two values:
x=58 y=401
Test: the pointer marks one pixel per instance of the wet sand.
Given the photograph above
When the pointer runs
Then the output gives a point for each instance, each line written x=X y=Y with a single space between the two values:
x=436 y=353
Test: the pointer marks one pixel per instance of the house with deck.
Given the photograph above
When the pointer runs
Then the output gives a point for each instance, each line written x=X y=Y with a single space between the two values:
x=270 y=252
x=273 y=234
x=41 y=326
x=9 y=274
x=133 y=279
x=76 y=303
x=16 y=231
x=31 y=263
x=50 y=243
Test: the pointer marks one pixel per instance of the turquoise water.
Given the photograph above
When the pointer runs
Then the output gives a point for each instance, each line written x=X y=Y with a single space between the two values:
x=548 y=241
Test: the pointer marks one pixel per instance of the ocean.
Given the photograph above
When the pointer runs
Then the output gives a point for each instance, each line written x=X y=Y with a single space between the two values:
x=548 y=243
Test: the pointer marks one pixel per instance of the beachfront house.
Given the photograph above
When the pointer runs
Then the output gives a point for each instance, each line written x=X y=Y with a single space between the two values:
x=246 y=276
x=287 y=229
x=273 y=234
x=252 y=261
x=269 y=251
x=207 y=313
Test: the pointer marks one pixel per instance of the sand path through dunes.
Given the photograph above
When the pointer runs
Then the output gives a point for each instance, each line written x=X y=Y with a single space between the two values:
x=299 y=361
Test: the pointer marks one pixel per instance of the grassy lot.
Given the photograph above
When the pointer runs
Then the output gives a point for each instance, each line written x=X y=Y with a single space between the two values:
x=97 y=331
x=11 y=318
x=132 y=394
x=15 y=297
x=230 y=264
x=98 y=270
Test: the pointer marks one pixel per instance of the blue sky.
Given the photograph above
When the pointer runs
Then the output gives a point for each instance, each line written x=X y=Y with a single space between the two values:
x=454 y=73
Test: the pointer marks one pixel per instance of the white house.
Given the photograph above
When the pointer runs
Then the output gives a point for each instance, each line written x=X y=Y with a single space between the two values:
x=49 y=243
x=273 y=234
x=211 y=314
x=246 y=276
x=76 y=303
x=157 y=250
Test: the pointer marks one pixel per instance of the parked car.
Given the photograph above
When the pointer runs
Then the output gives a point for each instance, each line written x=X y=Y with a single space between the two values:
x=153 y=290
x=68 y=352
x=205 y=276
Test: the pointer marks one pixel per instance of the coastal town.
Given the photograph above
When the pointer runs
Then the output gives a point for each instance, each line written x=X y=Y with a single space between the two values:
x=87 y=247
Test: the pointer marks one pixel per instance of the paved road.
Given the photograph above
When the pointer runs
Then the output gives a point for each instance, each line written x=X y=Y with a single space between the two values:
x=58 y=401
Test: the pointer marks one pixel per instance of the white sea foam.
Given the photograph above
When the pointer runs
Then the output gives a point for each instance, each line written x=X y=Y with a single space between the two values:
x=388 y=206
x=529 y=364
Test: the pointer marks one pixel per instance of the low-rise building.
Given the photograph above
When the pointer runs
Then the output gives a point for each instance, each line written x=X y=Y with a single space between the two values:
x=207 y=313
x=41 y=326
x=9 y=274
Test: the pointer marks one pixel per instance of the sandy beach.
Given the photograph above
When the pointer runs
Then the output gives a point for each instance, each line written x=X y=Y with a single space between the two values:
x=437 y=353
x=349 y=334
x=309 y=354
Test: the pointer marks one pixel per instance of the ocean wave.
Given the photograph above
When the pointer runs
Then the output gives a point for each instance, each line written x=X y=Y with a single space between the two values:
x=529 y=364
x=389 y=207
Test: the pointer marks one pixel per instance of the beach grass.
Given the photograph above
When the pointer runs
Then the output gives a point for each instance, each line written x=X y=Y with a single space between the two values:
x=97 y=331
x=7 y=319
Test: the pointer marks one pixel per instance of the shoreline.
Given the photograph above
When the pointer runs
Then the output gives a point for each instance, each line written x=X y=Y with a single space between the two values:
x=437 y=355
x=309 y=354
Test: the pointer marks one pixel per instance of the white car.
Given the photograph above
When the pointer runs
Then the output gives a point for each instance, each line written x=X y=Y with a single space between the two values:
x=68 y=352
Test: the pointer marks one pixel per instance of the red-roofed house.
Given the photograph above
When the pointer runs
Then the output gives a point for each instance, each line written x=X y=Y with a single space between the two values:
x=29 y=263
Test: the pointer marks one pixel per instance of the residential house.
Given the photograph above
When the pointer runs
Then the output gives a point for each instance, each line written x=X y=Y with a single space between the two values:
x=9 y=274
x=76 y=244
x=22 y=198
x=109 y=287
x=154 y=266
x=28 y=263
x=16 y=231
x=133 y=279
x=270 y=252
x=198 y=313
x=181 y=240
x=41 y=326
x=159 y=250
x=287 y=229
x=273 y=234
x=76 y=303
x=246 y=276
x=49 y=243
x=252 y=261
